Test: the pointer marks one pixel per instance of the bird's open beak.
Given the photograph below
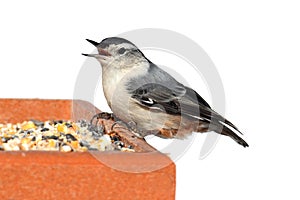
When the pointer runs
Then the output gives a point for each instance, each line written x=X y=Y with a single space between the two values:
x=102 y=53
x=93 y=42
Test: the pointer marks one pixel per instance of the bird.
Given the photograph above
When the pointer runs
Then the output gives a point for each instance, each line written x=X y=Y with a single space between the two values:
x=149 y=100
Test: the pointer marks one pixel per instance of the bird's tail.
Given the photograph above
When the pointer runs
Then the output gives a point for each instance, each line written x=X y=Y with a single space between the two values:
x=224 y=130
x=219 y=124
x=210 y=120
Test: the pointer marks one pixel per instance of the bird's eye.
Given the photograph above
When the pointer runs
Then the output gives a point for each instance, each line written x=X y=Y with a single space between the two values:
x=122 y=50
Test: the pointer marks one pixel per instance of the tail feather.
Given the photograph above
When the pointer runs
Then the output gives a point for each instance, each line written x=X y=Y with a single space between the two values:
x=228 y=132
x=224 y=130
x=211 y=120
x=221 y=125
x=214 y=116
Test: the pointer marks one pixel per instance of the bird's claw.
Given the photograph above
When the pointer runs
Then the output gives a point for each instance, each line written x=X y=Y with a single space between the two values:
x=119 y=123
x=131 y=126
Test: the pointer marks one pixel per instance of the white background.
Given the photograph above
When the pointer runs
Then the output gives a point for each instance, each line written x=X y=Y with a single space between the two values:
x=255 y=46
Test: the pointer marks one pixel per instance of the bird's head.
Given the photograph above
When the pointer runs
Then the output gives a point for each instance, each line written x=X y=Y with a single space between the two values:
x=118 y=52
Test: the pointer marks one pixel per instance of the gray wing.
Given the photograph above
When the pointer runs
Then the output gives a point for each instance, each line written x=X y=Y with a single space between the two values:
x=161 y=80
x=160 y=91
x=160 y=98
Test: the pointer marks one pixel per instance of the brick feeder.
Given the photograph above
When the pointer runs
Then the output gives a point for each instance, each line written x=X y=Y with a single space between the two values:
x=146 y=174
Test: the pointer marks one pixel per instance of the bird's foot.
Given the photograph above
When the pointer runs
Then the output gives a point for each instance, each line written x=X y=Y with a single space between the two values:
x=131 y=126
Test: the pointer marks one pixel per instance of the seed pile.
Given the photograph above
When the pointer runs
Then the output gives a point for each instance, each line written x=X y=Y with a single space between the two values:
x=58 y=135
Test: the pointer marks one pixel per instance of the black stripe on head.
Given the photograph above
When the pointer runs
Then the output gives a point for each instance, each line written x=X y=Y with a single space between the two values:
x=113 y=40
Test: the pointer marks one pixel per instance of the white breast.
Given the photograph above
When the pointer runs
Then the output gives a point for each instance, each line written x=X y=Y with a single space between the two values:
x=114 y=81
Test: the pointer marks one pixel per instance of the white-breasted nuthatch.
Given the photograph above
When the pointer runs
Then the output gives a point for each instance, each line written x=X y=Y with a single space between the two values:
x=149 y=99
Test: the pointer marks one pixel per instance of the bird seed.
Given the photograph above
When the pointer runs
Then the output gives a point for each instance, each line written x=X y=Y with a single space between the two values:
x=58 y=135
